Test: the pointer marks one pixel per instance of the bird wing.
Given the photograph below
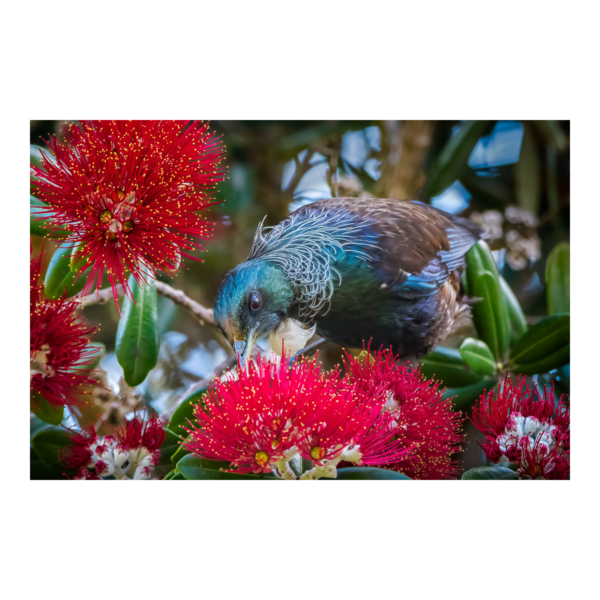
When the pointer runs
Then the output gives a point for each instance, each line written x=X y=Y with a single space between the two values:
x=418 y=246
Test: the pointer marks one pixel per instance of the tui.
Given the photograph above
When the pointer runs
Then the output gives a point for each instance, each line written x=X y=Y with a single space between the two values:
x=359 y=269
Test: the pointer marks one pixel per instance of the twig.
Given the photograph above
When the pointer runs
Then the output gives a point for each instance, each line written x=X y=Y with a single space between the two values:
x=202 y=314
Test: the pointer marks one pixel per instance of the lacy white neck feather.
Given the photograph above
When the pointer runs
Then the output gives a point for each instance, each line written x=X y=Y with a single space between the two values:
x=304 y=249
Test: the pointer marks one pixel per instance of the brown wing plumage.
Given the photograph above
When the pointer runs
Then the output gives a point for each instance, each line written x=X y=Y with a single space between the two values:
x=413 y=239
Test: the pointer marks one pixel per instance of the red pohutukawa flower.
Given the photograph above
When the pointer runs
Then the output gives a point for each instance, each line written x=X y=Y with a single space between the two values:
x=59 y=346
x=528 y=429
x=129 y=192
x=272 y=412
x=425 y=425
x=132 y=454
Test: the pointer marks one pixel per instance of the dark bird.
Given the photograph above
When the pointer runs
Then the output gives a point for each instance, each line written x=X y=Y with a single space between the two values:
x=358 y=269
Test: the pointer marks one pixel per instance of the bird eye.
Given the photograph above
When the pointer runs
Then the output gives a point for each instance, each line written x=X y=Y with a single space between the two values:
x=255 y=302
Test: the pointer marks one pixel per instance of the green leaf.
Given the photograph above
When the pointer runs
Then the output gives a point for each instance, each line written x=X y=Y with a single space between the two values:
x=194 y=467
x=464 y=397
x=179 y=454
x=50 y=443
x=453 y=159
x=478 y=259
x=478 y=356
x=495 y=472
x=516 y=316
x=368 y=473
x=59 y=276
x=76 y=260
x=555 y=360
x=558 y=279
x=169 y=447
x=42 y=227
x=44 y=411
x=527 y=174
x=545 y=342
x=173 y=475
x=448 y=366
x=490 y=314
x=184 y=412
x=137 y=335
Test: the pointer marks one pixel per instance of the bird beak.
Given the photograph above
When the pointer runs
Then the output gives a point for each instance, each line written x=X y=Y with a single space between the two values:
x=244 y=348
x=239 y=350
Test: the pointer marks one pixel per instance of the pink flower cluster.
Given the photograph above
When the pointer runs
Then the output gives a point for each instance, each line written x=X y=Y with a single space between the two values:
x=131 y=454
x=525 y=428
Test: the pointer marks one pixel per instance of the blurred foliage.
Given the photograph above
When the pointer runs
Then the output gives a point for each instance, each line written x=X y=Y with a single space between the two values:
x=512 y=177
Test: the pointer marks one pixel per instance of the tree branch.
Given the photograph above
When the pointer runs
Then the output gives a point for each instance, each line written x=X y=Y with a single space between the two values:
x=202 y=314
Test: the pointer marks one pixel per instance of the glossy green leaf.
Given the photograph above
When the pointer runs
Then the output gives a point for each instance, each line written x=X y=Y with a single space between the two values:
x=184 y=412
x=194 y=467
x=453 y=159
x=490 y=313
x=44 y=411
x=59 y=276
x=367 y=473
x=558 y=279
x=137 y=341
x=76 y=260
x=464 y=397
x=169 y=447
x=179 y=454
x=173 y=475
x=495 y=472
x=518 y=323
x=42 y=227
x=552 y=361
x=540 y=341
x=478 y=356
x=447 y=365
x=49 y=444
x=478 y=259
x=527 y=174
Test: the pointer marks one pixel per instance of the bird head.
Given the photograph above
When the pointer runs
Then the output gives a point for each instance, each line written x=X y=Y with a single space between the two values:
x=252 y=301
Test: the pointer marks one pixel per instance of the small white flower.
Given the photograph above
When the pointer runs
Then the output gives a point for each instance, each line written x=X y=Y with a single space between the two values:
x=142 y=473
x=121 y=455
x=390 y=403
x=352 y=454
